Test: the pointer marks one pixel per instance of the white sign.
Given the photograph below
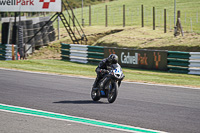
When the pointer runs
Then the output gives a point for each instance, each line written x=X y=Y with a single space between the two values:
x=30 y=5
x=128 y=59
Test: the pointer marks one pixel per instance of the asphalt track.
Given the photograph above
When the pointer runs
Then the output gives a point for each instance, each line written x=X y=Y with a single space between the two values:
x=163 y=108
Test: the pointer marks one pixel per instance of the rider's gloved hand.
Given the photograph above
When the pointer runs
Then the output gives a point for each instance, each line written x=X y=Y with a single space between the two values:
x=104 y=71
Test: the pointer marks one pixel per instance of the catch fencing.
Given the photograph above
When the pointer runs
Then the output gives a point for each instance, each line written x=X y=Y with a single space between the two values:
x=82 y=53
x=134 y=14
x=184 y=62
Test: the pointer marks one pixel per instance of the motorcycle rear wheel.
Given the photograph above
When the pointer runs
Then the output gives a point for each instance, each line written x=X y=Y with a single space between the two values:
x=95 y=95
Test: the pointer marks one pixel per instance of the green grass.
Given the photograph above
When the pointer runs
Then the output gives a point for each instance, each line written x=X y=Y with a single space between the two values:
x=70 y=68
x=189 y=12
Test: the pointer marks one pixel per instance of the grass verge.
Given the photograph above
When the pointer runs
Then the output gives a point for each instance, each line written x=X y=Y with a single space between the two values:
x=77 y=69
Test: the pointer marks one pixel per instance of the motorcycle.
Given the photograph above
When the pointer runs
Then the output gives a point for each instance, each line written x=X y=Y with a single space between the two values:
x=109 y=84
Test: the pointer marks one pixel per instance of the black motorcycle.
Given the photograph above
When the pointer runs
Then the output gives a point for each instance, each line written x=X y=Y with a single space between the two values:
x=108 y=86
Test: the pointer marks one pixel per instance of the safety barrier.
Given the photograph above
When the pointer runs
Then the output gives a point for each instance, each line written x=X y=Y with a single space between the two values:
x=178 y=61
x=8 y=52
x=194 y=67
x=82 y=53
x=2 y=51
x=173 y=61
x=184 y=62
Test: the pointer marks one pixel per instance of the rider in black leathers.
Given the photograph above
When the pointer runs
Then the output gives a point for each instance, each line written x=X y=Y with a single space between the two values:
x=103 y=67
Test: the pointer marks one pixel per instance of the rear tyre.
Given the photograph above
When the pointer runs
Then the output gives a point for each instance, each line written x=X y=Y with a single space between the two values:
x=112 y=92
x=95 y=94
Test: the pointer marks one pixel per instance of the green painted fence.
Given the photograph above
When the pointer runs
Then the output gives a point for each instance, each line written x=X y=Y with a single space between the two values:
x=178 y=61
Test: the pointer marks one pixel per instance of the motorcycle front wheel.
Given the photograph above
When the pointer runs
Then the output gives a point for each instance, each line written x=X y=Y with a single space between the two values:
x=112 y=92
x=95 y=95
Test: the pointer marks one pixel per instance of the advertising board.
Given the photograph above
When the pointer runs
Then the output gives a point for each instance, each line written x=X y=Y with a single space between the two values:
x=145 y=59
x=30 y=5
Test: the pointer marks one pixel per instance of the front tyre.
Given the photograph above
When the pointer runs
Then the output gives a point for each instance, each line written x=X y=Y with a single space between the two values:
x=95 y=94
x=112 y=92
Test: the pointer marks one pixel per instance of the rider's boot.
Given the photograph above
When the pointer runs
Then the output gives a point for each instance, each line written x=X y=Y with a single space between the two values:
x=96 y=83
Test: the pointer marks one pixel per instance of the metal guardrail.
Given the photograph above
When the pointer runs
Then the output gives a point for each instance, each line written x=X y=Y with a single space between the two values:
x=184 y=62
x=82 y=53
x=6 y=52
x=2 y=51
x=194 y=66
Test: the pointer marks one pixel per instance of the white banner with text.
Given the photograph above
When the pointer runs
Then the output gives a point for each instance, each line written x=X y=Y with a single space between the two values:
x=30 y=5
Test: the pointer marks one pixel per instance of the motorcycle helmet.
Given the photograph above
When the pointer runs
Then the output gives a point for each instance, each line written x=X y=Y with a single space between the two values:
x=113 y=58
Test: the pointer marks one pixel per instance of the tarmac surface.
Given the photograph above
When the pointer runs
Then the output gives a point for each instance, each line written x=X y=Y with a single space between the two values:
x=163 y=108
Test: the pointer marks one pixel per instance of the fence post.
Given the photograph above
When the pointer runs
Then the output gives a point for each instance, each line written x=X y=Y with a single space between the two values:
x=191 y=24
x=106 y=16
x=142 y=9
x=165 y=21
x=89 y=15
x=178 y=14
x=124 y=16
x=154 y=18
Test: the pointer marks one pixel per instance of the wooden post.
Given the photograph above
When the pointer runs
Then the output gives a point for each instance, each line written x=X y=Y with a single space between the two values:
x=124 y=16
x=90 y=15
x=178 y=25
x=106 y=16
x=165 y=21
x=154 y=26
x=13 y=52
x=178 y=14
x=142 y=10
x=191 y=24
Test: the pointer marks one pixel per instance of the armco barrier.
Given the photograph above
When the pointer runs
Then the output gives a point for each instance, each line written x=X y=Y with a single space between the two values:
x=184 y=62
x=10 y=51
x=6 y=51
x=194 y=66
x=178 y=61
x=82 y=53
x=2 y=51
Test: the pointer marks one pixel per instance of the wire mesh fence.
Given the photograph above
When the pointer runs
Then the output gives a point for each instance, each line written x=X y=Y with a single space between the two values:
x=130 y=16
x=97 y=16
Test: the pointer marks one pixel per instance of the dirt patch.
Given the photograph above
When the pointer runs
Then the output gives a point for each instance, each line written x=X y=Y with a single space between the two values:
x=47 y=52
x=92 y=38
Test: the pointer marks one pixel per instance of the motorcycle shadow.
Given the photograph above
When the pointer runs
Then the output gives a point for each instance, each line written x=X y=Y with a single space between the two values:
x=81 y=102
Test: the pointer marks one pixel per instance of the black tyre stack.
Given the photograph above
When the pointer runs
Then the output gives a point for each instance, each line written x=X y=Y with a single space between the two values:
x=21 y=40
x=38 y=37
x=44 y=31
x=4 y=32
x=52 y=34
x=27 y=30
